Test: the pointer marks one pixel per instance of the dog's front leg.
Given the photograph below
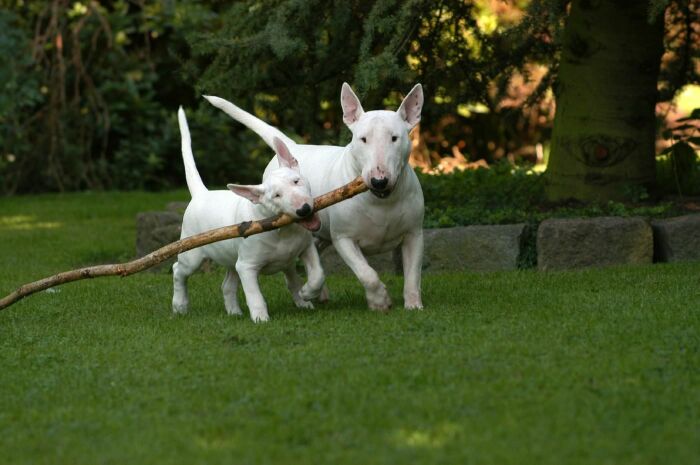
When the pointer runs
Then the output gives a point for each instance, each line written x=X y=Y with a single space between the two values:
x=294 y=284
x=377 y=295
x=253 y=297
x=412 y=255
x=315 y=277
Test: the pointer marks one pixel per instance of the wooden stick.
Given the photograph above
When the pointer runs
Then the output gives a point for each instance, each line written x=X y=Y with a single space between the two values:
x=245 y=229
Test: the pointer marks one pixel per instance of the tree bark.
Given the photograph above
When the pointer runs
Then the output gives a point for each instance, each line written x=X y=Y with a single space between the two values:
x=604 y=128
x=245 y=229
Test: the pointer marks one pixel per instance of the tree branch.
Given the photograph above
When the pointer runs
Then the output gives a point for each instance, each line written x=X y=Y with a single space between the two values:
x=245 y=229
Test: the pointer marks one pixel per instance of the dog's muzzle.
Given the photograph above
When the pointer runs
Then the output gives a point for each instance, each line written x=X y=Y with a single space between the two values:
x=380 y=194
x=308 y=219
x=304 y=211
x=378 y=187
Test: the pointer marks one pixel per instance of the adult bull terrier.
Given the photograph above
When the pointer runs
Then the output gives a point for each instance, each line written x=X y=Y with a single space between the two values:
x=372 y=222
x=285 y=190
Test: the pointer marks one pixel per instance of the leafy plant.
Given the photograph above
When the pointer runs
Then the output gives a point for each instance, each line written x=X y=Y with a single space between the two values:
x=678 y=167
x=89 y=93
x=506 y=194
x=20 y=93
x=501 y=194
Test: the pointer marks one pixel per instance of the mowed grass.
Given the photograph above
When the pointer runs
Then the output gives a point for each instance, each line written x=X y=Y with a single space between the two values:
x=595 y=366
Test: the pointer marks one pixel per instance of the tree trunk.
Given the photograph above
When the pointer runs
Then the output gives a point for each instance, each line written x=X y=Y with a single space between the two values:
x=604 y=128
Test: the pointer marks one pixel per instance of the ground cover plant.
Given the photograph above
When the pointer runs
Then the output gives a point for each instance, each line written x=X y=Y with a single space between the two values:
x=504 y=194
x=516 y=367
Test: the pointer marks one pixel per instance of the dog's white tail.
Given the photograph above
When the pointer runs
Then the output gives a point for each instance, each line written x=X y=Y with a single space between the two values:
x=194 y=181
x=261 y=128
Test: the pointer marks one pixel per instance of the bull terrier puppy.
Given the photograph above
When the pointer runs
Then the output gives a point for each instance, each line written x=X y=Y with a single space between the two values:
x=284 y=190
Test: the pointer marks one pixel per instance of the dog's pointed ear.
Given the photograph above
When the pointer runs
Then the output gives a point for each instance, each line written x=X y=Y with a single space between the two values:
x=411 y=106
x=252 y=193
x=352 y=109
x=284 y=156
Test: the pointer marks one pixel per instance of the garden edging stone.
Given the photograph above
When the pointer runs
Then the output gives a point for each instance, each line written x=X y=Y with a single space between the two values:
x=590 y=242
x=471 y=248
x=561 y=243
x=154 y=230
x=677 y=239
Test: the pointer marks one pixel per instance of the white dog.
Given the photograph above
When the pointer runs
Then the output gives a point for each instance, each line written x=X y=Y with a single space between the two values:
x=369 y=223
x=284 y=190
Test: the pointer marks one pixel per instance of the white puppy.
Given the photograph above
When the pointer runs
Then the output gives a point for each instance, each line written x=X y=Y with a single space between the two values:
x=284 y=190
x=369 y=223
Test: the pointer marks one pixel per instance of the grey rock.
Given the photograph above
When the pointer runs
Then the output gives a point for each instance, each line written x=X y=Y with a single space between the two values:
x=473 y=248
x=177 y=207
x=589 y=242
x=153 y=231
x=677 y=239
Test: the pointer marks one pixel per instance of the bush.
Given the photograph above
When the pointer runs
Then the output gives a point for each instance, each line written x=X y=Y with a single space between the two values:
x=505 y=194
x=88 y=97
x=501 y=194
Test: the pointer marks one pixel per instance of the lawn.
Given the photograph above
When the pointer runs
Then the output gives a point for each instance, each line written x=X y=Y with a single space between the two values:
x=596 y=366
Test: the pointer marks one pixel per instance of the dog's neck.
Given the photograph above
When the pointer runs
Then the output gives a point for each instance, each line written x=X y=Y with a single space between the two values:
x=351 y=164
x=259 y=211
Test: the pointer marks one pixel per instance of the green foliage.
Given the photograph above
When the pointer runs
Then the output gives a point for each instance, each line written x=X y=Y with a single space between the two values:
x=678 y=167
x=288 y=61
x=506 y=194
x=89 y=113
x=499 y=195
x=100 y=372
x=89 y=96
x=679 y=172
x=19 y=93
x=89 y=89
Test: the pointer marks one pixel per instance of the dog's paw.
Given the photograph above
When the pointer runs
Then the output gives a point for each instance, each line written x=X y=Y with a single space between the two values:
x=260 y=317
x=412 y=302
x=234 y=311
x=379 y=299
x=309 y=293
x=232 y=306
x=180 y=307
x=304 y=304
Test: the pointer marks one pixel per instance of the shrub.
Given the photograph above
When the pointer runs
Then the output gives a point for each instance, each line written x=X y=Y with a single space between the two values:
x=501 y=194
x=506 y=194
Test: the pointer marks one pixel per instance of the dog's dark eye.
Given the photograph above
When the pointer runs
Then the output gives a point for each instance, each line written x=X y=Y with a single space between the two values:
x=394 y=138
x=296 y=181
x=363 y=139
x=277 y=196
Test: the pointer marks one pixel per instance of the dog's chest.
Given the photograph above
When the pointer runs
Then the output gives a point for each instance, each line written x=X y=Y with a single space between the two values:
x=282 y=249
x=379 y=229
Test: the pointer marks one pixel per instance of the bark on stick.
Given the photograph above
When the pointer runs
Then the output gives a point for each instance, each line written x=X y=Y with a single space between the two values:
x=245 y=229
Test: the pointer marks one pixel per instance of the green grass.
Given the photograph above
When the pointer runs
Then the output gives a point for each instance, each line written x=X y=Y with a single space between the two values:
x=596 y=366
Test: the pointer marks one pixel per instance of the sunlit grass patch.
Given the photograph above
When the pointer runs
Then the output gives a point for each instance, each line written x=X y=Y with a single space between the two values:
x=24 y=222
x=431 y=438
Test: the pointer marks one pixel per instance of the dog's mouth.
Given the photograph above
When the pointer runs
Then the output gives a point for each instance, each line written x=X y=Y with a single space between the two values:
x=312 y=223
x=380 y=194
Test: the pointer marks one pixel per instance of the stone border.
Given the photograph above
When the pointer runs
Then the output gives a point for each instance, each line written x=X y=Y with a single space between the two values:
x=569 y=243
x=585 y=242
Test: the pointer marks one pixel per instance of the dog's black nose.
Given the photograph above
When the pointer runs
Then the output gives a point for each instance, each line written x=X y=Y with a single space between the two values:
x=379 y=184
x=304 y=211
